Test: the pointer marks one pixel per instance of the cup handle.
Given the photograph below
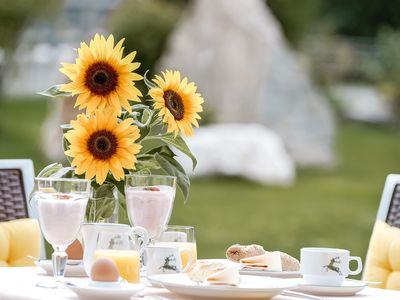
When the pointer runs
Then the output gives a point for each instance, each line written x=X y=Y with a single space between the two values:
x=359 y=265
x=189 y=253
x=143 y=236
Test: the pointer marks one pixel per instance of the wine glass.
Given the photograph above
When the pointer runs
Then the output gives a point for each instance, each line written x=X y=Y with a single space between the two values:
x=149 y=201
x=61 y=206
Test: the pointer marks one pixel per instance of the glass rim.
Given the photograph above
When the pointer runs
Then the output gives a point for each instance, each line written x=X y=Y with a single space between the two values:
x=62 y=179
x=150 y=176
x=179 y=227
x=162 y=247
x=106 y=224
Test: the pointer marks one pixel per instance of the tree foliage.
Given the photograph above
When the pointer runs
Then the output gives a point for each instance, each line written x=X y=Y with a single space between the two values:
x=146 y=26
x=348 y=17
x=15 y=15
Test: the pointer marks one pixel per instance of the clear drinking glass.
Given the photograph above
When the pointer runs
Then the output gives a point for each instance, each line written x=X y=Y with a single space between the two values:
x=124 y=248
x=61 y=206
x=182 y=237
x=149 y=201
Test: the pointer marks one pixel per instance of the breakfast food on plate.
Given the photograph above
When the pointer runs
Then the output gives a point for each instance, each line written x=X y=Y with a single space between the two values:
x=270 y=261
x=228 y=276
x=199 y=271
x=75 y=250
x=289 y=263
x=238 y=252
x=104 y=270
x=212 y=272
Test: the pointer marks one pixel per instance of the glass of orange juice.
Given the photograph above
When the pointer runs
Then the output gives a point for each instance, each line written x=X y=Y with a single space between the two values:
x=182 y=237
x=123 y=250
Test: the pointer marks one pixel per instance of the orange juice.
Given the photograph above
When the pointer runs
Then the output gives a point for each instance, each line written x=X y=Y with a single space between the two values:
x=127 y=261
x=184 y=255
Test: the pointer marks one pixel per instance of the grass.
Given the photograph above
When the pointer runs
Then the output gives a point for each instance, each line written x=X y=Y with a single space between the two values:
x=329 y=208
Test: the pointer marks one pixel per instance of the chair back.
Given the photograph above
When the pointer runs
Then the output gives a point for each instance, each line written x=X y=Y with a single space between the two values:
x=389 y=207
x=382 y=263
x=13 y=202
x=16 y=184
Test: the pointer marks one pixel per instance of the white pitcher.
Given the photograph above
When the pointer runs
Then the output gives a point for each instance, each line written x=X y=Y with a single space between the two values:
x=117 y=232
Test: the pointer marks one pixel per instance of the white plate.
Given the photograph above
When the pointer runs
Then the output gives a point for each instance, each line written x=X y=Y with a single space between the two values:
x=86 y=292
x=282 y=274
x=250 y=287
x=74 y=268
x=348 y=288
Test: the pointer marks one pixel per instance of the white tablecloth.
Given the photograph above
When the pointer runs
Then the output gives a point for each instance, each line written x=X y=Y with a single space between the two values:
x=20 y=284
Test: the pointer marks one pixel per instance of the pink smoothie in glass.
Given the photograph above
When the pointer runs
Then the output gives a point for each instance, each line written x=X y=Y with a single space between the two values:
x=150 y=207
x=61 y=216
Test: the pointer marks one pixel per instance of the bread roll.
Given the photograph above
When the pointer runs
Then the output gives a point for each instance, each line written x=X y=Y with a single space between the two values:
x=237 y=252
x=289 y=263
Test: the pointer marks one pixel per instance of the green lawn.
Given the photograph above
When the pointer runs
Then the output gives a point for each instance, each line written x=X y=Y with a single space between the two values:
x=330 y=208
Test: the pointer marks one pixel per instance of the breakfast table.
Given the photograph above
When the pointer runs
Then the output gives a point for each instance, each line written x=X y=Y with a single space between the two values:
x=20 y=284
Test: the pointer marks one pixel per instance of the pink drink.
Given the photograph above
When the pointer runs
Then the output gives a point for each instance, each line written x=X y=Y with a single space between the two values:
x=61 y=216
x=150 y=207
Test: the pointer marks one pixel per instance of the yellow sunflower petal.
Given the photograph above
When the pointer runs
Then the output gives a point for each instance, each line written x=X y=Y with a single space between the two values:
x=100 y=72
x=177 y=102
x=100 y=144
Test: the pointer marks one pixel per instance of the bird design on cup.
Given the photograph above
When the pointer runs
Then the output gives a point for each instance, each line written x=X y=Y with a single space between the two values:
x=169 y=264
x=331 y=266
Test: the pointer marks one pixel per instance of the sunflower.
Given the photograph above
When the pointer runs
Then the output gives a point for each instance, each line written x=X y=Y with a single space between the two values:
x=177 y=102
x=101 y=77
x=99 y=144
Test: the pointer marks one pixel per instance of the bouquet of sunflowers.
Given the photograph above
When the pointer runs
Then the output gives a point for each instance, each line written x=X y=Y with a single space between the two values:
x=122 y=131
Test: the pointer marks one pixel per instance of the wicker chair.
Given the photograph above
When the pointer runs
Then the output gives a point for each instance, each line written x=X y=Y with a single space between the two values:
x=389 y=208
x=383 y=260
x=16 y=183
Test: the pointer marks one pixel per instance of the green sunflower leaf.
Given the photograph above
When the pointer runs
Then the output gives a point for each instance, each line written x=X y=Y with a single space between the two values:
x=137 y=107
x=179 y=143
x=144 y=165
x=151 y=143
x=172 y=167
x=55 y=91
x=148 y=83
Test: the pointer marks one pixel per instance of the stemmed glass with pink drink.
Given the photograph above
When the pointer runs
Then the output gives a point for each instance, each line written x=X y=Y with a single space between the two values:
x=149 y=201
x=61 y=206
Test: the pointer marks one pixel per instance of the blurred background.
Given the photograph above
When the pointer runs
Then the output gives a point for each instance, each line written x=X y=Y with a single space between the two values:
x=302 y=104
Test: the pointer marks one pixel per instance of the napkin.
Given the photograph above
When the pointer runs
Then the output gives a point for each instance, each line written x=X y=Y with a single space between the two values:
x=229 y=276
x=270 y=261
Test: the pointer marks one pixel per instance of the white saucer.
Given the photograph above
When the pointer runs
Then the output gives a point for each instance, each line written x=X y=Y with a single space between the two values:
x=86 y=292
x=250 y=287
x=74 y=268
x=348 y=288
x=277 y=274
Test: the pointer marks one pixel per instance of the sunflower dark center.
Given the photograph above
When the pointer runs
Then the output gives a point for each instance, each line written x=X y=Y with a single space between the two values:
x=101 y=78
x=102 y=144
x=174 y=103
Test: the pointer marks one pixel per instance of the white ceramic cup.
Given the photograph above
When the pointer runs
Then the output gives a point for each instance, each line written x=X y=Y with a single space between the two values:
x=165 y=260
x=327 y=266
